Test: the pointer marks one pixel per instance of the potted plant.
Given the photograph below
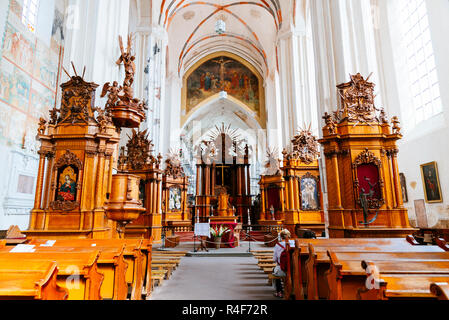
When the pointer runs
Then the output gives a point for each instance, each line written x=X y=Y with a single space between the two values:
x=217 y=234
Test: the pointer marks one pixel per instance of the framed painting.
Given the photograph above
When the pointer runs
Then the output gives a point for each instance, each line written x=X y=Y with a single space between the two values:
x=310 y=197
x=174 y=203
x=403 y=187
x=67 y=179
x=431 y=182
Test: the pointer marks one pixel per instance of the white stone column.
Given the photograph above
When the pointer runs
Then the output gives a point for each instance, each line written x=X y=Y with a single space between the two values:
x=344 y=43
x=93 y=28
x=172 y=121
x=297 y=80
x=157 y=112
x=289 y=78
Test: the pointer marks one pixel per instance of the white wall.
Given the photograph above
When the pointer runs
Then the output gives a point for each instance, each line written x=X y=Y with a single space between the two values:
x=427 y=141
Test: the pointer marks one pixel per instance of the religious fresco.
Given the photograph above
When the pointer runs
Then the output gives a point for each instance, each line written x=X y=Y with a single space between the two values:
x=14 y=86
x=46 y=65
x=29 y=73
x=18 y=48
x=310 y=199
x=223 y=74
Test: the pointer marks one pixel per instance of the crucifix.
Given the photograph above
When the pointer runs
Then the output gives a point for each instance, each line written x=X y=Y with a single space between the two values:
x=222 y=167
x=222 y=62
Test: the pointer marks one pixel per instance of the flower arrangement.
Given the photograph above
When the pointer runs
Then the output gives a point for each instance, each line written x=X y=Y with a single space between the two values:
x=218 y=233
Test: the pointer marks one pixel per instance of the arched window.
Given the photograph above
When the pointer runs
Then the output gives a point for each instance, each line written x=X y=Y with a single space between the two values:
x=29 y=14
x=420 y=59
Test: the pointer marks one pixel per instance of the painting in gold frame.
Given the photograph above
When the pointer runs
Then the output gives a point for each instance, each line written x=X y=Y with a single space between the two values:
x=431 y=182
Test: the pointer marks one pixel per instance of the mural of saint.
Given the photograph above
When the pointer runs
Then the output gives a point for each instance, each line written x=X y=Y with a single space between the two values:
x=309 y=194
x=67 y=185
x=174 y=202
x=223 y=74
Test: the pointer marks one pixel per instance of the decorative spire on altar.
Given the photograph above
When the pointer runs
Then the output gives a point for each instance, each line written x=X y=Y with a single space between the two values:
x=305 y=147
x=357 y=101
x=272 y=165
x=139 y=153
x=173 y=164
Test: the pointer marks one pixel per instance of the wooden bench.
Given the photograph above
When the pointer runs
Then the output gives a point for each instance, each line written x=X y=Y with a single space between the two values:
x=163 y=266
x=272 y=277
x=347 y=278
x=158 y=276
x=440 y=290
x=78 y=272
x=183 y=253
x=135 y=255
x=110 y=263
x=165 y=261
x=35 y=280
x=318 y=263
x=299 y=275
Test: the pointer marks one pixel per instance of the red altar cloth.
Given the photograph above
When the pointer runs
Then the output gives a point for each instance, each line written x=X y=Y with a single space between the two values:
x=228 y=238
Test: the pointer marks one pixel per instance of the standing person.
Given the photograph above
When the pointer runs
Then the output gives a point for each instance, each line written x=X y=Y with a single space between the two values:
x=278 y=249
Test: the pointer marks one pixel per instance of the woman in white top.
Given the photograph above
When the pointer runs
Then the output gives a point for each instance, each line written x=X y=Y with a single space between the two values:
x=280 y=246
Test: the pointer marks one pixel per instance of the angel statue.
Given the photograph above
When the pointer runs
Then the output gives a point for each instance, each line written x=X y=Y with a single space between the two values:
x=128 y=60
x=113 y=91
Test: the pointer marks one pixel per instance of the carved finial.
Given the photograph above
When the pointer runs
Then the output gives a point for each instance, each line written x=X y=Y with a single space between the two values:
x=305 y=146
x=358 y=100
x=330 y=124
x=42 y=126
x=396 y=127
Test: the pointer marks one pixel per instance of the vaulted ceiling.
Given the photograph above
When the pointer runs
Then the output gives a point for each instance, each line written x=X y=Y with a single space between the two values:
x=251 y=30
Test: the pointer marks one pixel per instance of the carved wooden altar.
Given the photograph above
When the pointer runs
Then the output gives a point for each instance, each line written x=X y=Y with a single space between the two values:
x=272 y=187
x=138 y=160
x=223 y=162
x=175 y=213
x=75 y=167
x=359 y=144
x=77 y=195
x=302 y=192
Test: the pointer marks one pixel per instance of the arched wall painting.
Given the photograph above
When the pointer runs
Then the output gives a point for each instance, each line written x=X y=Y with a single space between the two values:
x=223 y=74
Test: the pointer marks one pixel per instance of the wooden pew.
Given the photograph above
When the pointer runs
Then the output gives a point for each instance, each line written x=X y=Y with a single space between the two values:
x=318 y=263
x=302 y=253
x=165 y=261
x=402 y=286
x=183 y=253
x=163 y=266
x=132 y=271
x=440 y=290
x=347 y=275
x=78 y=272
x=36 y=280
x=442 y=244
x=110 y=263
